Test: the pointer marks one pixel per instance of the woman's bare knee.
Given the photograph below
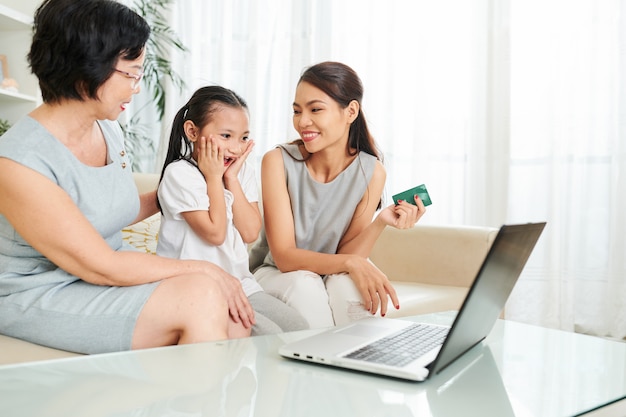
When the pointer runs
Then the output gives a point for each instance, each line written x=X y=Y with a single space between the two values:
x=237 y=330
x=187 y=309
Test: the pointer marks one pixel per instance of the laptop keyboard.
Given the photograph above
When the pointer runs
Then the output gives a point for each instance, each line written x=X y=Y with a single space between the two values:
x=402 y=347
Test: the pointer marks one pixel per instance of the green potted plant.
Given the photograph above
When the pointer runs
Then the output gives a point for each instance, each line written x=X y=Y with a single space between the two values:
x=4 y=126
x=157 y=69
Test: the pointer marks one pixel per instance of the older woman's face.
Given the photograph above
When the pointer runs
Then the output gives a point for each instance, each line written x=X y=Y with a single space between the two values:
x=117 y=92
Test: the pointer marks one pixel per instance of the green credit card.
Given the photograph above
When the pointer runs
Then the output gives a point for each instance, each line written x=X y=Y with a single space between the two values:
x=407 y=195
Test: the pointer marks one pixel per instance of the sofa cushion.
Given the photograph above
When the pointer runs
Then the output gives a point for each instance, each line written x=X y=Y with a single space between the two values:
x=144 y=234
x=436 y=255
x=416 y=298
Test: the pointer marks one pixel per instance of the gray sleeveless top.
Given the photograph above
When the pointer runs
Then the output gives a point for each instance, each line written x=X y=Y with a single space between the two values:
x=322 y=212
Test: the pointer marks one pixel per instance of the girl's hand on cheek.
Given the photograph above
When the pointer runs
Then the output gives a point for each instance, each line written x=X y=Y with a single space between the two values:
x=210 y=158
x=233 y=170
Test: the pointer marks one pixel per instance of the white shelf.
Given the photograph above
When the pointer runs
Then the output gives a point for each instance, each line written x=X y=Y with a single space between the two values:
x=15 y=39
x=24 y=8
x=11 y=96
x=12 y=19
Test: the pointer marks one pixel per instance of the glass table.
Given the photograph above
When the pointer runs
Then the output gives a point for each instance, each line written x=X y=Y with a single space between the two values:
x=519 y=370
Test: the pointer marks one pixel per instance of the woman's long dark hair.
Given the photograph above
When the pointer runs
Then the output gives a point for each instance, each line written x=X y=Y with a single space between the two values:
x=199 y=109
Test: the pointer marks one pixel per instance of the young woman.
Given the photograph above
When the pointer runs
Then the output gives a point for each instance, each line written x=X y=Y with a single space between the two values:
x=320 y=194
x=66 y=191
x=209 y=197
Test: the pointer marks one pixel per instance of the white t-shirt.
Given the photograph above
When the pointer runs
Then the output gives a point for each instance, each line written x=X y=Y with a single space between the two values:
x=183 y=189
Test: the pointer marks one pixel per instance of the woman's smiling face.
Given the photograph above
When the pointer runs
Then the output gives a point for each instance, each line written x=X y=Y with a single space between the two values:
x=319 y=119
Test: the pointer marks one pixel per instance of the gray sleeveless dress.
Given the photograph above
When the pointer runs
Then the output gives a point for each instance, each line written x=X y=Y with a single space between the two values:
x=42 y=303
x=322 y=212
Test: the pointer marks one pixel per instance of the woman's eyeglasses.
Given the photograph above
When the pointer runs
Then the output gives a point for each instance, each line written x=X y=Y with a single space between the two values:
x=136 y=77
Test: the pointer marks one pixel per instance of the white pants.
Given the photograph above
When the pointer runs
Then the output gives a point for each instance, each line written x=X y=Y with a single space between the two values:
x=322 y=301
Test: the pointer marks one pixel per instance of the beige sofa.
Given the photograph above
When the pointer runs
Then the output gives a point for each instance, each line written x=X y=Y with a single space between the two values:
x=431 y=268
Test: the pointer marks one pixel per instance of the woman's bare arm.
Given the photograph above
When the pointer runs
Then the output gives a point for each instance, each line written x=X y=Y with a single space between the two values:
x=147 y=206
x=362 y=232
x=46 y=217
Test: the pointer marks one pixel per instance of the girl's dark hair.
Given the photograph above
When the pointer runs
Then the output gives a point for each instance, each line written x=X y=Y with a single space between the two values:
x=77 y=43
x=342 y=84
x=199 y=109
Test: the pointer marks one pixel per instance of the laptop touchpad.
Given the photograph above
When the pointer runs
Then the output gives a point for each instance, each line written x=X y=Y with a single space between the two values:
x=363 y=330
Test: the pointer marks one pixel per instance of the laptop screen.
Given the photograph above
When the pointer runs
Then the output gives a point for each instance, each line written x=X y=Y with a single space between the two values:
x=489 y=292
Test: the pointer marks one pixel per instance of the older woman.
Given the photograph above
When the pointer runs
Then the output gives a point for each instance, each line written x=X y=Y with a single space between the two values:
x=66 y=191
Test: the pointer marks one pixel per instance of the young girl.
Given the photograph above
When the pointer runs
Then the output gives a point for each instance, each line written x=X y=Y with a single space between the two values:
x=208 y=198
x=320 y=194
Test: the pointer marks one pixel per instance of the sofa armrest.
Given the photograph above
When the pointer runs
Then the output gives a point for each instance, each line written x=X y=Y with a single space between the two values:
x=435 y=255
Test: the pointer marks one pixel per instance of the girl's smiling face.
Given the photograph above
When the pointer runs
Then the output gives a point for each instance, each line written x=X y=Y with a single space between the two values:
x=229 y=126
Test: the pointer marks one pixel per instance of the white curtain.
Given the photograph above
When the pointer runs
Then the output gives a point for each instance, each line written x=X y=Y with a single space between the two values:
x=568 y=161
x=509 y=111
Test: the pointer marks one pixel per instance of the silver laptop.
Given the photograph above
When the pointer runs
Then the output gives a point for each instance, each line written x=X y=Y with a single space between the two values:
x=415 y=351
